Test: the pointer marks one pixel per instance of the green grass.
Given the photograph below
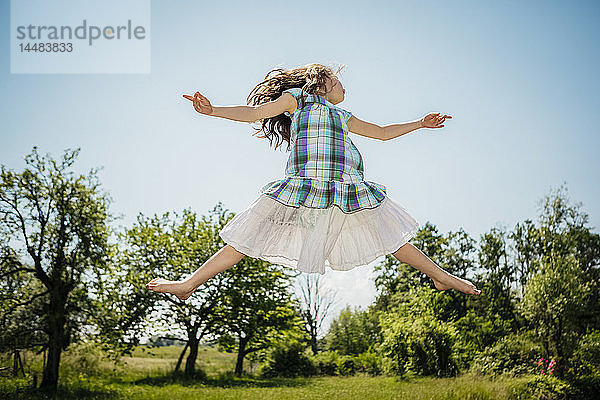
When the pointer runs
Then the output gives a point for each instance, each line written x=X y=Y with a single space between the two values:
x=338 y=388
x=85 y=374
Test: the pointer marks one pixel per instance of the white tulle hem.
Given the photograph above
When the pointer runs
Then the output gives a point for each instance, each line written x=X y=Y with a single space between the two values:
x=312 y=239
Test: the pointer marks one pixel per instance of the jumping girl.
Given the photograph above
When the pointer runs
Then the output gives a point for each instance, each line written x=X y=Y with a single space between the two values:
x=323 y=213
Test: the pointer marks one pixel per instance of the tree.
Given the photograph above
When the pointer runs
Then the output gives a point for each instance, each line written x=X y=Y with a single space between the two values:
x=498 y=275
x=315 y=302
x=172 y=246
x=452 y=252
x=59 y=221
x=553 y=302
x=257 y=309
x=121 y=304
x=20 y=310
x=525 y=239
x=561 y=298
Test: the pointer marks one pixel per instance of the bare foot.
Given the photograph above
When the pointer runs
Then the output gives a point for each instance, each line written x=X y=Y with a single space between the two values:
x=178 y=288
x=454 y=282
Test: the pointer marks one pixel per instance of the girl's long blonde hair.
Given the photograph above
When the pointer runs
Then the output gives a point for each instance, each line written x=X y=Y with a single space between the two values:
x=310 y=78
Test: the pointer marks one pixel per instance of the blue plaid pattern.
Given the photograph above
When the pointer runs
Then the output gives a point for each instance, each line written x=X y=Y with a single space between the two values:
x=324 y=167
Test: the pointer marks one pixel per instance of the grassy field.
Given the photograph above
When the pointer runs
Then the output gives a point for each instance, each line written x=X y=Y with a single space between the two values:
x=85 y=374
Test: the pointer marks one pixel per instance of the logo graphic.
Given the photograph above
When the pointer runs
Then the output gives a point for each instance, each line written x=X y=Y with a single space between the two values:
x=80 y=36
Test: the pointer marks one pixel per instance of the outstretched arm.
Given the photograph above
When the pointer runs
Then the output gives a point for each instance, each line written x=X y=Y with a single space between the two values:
x=374 y=131
x=286 y=102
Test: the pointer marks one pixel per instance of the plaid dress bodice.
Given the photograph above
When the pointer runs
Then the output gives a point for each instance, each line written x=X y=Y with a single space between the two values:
x=324 y=167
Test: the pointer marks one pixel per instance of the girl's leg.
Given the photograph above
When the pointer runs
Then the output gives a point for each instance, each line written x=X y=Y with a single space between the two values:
x=442 y=280
x=219 y=262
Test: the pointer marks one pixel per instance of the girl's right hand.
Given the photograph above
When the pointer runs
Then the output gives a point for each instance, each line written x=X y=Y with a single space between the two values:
x=201 y=103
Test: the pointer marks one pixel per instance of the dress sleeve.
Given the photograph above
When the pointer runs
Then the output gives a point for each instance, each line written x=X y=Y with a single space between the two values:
x=344 y=114
x=297 y=93
x=294 y=92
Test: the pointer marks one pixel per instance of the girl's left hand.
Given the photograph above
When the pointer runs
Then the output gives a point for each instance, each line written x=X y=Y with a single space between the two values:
x=433 y=120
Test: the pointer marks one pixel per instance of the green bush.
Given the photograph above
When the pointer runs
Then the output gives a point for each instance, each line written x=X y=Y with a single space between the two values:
x=369 y=362
x=542 y=387
x=326 y=362
x=420 y=345
x=288 y=360
x=586 y=387
x=514 y=354
x=346 y=365
x=586 y=358
x=333 y=363
x=352 y=332
x=475 y=334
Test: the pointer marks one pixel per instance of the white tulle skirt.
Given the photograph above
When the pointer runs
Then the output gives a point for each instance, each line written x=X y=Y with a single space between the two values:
x=311 y=239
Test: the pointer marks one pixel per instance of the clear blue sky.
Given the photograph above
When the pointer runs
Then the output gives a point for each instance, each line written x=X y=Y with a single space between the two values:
x=520 y=80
